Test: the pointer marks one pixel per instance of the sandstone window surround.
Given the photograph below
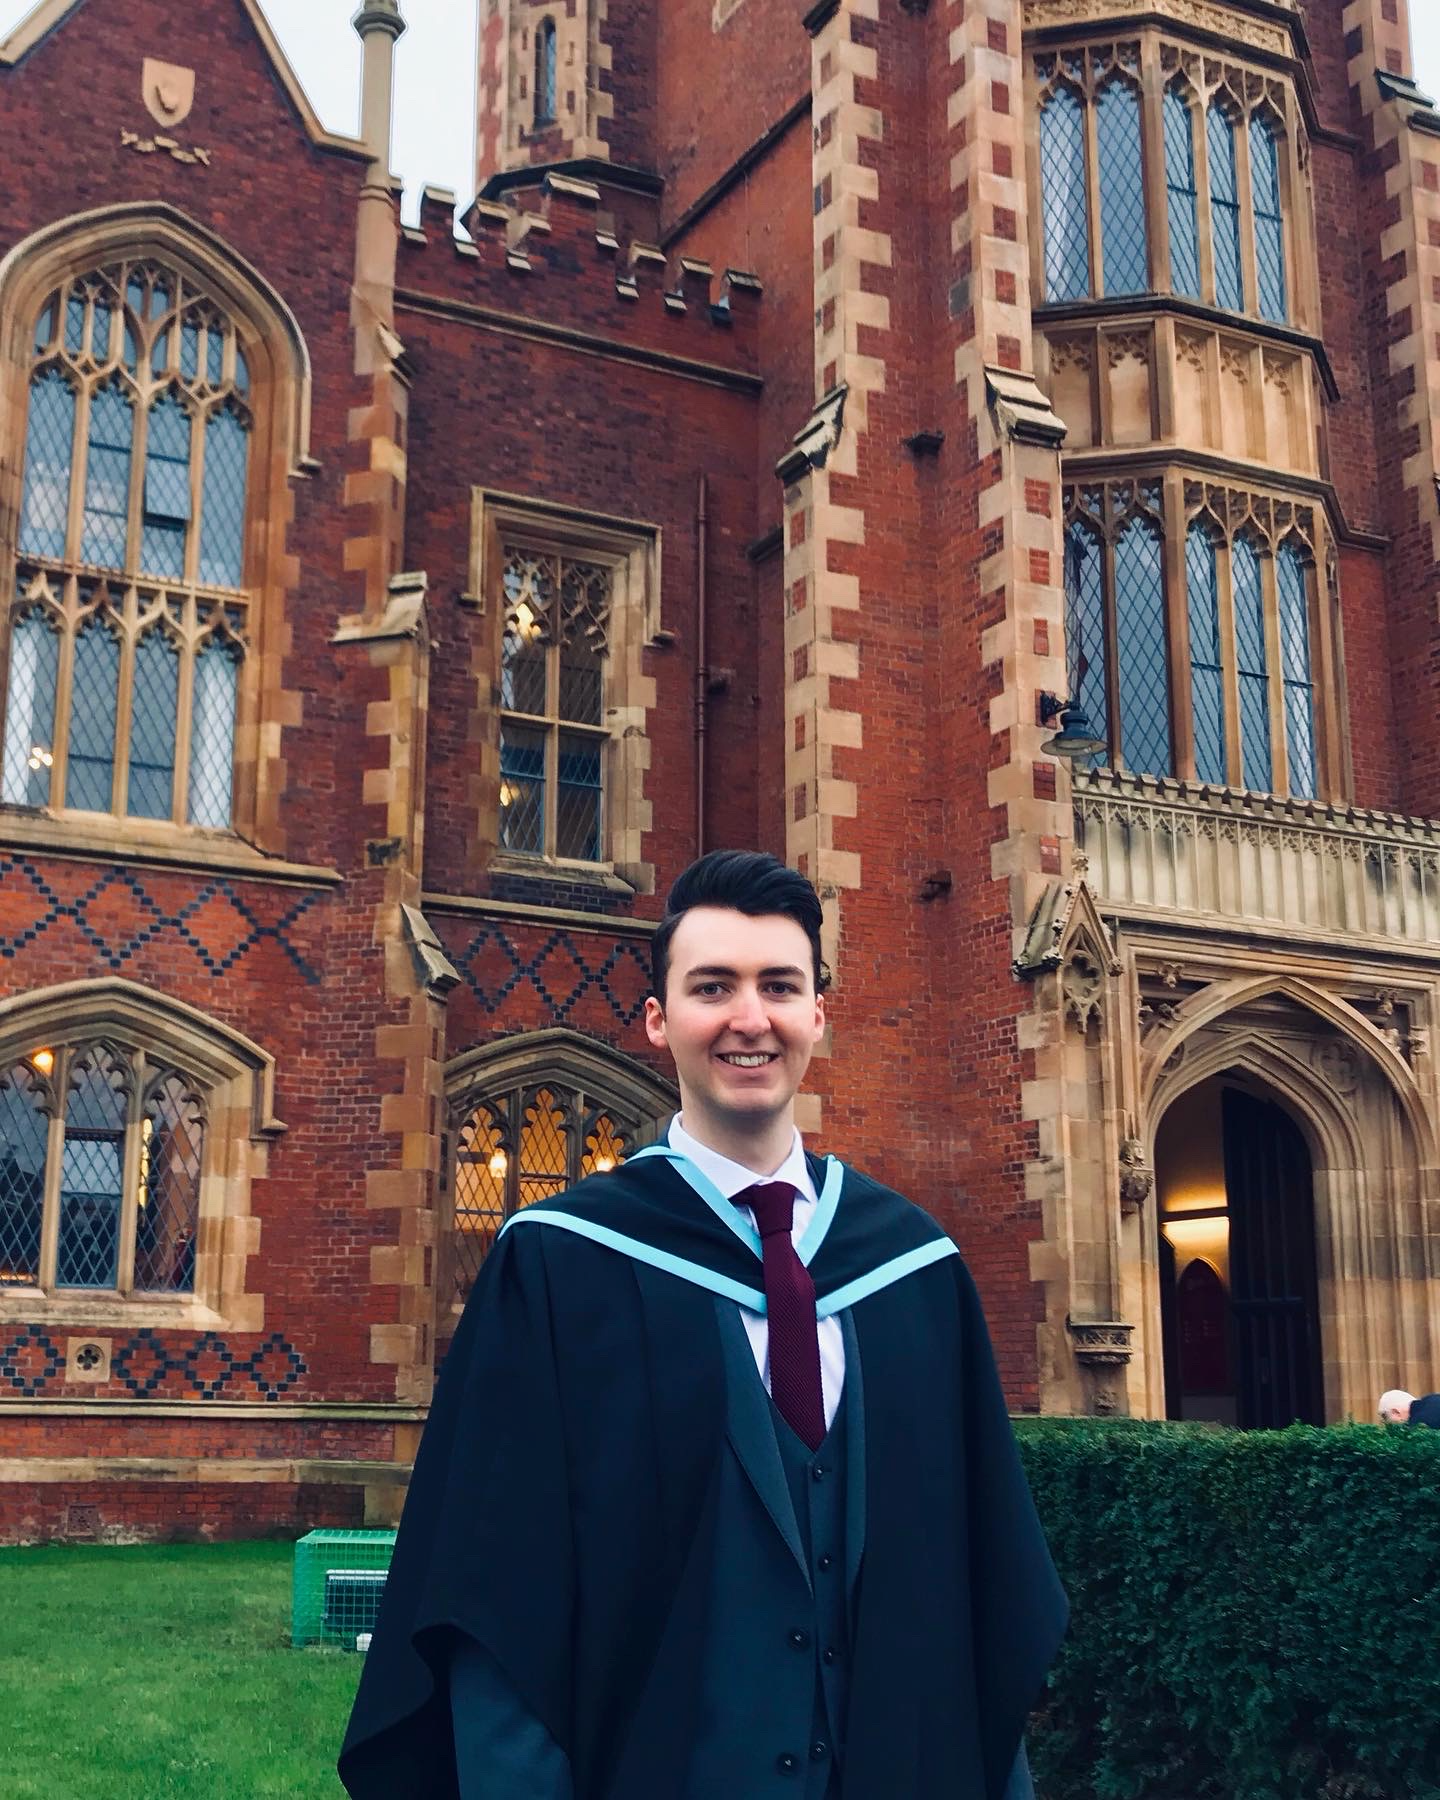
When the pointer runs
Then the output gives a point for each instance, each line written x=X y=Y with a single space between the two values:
x=130 y=1128
x=129 y=623
x=568 y=602
x=546 y=59
x=529 y=1118
x=1199 y=629
x=1163 y=169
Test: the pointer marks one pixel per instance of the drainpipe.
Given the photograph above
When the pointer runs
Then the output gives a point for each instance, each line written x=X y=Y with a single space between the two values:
x=702 y=658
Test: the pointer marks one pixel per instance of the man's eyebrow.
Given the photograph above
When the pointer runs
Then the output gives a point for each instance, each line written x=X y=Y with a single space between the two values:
x=712 y=969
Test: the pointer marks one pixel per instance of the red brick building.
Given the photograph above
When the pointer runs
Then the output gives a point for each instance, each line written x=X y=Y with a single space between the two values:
x=813 y=399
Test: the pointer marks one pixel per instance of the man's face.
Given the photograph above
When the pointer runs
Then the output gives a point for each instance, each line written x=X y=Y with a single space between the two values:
x=741 y=1016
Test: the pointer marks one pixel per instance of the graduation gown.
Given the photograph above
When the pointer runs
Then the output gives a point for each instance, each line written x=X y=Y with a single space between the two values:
x=562 y=1507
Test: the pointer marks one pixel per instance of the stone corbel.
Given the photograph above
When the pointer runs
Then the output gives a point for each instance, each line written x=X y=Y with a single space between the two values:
x=1021 y=410
x=1103 y=1349
x=436 y=971
x=403 y=617
x=1137 y=1178
x=816 y=438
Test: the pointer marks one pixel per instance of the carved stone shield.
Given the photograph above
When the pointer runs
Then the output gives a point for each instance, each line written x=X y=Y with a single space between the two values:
x=169 y=91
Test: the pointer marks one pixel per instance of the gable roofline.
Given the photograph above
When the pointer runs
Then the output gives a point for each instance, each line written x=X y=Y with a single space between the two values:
x=43 y=19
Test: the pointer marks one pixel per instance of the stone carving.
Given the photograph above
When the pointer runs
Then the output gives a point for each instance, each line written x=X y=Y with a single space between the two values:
x=1339 y=1063
x=1201 y=15
x=168 y=91
x=1083 y=985
x=1137 y=1178
x=1154 y=1013
x=1102 y=1349
x=1129 y=344
x=147 y=146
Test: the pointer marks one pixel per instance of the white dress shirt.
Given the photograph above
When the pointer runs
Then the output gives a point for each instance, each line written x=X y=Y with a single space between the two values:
x=731 y=1177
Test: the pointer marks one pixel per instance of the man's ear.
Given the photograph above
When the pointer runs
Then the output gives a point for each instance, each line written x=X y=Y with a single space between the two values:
x=655 y=1023
x=819 y=1017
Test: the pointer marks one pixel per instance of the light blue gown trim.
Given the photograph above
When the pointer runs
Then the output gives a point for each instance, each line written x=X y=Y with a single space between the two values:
x=886 y=1275
x=641 y=1252
x=697 y=1273
x=731 y=1215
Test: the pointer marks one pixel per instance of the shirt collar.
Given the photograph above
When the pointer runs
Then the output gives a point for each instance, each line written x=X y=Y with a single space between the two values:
x=730 y=1177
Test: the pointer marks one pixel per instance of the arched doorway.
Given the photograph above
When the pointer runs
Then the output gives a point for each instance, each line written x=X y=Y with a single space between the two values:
x=1239 y=1289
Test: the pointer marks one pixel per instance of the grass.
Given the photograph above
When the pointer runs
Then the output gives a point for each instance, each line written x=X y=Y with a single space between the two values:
x=139 y=1674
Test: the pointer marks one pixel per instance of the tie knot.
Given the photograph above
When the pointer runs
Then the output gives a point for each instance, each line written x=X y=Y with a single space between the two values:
x=773 y=1204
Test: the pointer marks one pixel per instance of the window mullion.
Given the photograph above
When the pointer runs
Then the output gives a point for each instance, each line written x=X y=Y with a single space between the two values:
x=1092 y=188
x=514 y=1121
x=139 y=460
x=1155 y=172
x=130 y=1177
x=79 y=470
x=124 y=702
x=54 y=1176
x=1177 y=621
x=199 y=439
x=552 y=748
x=1230 y=666
x=1326 y=679
x=1245 y=197
x=1204 y=215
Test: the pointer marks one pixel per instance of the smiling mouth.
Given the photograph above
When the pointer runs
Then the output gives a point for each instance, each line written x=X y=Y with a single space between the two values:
x=749 y=1059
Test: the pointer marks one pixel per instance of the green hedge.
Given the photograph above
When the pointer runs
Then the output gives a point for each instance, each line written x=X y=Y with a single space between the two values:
x=1254 y=1615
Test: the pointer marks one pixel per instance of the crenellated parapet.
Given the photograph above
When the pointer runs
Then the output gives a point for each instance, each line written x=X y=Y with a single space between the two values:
x=562 y=263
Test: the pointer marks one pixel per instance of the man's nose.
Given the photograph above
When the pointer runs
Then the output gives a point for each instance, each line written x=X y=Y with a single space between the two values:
x=748 y=1013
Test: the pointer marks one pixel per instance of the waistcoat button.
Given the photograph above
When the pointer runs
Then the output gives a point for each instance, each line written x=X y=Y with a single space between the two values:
x=819 y=1751
x=799 y=1638
x=786 y=1763
x=827 y=1561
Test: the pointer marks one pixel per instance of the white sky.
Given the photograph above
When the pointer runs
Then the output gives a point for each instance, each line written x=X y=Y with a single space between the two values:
x=435 y=77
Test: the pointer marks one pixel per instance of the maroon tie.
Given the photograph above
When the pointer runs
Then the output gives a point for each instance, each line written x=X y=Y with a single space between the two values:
x=790 y=1307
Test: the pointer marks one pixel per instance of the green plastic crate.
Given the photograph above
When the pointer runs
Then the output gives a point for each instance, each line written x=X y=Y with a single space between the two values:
x=338 y=1579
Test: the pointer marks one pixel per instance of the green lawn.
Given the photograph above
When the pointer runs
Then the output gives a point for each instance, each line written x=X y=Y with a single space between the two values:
x=137 y=1674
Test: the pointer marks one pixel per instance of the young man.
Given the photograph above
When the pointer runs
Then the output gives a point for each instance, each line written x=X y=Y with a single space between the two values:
x=718 y=1498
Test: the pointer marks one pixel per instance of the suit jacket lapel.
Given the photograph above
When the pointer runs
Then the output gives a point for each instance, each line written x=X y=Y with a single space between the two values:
x=752 y=1433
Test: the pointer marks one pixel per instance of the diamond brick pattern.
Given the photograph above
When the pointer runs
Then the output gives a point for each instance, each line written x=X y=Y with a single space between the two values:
x=47 y=465
x=30 y=1361
x=1067 y=218
x=1207 y=700
x=208 y=1367
x=1252 y=668
x=1122 y=190
x=559 y=973
x=221 y=923
x=1144 y=657
x=1183 y=198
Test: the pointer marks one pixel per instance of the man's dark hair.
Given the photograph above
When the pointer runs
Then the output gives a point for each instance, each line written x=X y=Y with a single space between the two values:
x=745 y=881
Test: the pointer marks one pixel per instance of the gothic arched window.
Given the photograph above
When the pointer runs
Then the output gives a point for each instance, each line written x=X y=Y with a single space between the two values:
x=546 y=73
x=1269 y=225
x=101 y=1153
x=1207 y=673
x=1224 y=207
x=1182 y=195
x=130 y=622
x=1124 y=259
x=1252 y=666
x=1066 y=206
x=1293 y=588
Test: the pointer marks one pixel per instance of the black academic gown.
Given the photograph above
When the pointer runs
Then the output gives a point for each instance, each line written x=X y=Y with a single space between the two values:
x=1425 y=1410
x=561 y=1511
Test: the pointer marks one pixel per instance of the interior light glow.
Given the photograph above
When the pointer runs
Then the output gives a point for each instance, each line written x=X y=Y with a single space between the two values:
x=43 y=1060
x=498 y=1163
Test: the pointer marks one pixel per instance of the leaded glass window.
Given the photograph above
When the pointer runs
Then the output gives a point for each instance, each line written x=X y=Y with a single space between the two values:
x=1124 y=259
x=130 y=624
x=546 y=71
x=1224 y=207
x=1066 y=205
x=1269 y=225
x=552 y=692
x=1142 y=653
x=511 y=1148
x=1182 y=194
x=1252 y=666
x=1207 y=674
x=102 y=1149
x=1294 y=604
x=1085 y=658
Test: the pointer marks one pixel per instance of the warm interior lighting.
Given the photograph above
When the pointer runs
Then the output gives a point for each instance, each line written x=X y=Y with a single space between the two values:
x=1190 y=1234
x=498 y=1164
x=526 y=624
x=43 y=1060
x=603 y=1164
x=147 y=1131
x=40 y=757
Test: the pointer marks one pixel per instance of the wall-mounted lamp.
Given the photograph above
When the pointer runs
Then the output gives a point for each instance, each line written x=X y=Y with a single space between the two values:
x=1076 y=737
